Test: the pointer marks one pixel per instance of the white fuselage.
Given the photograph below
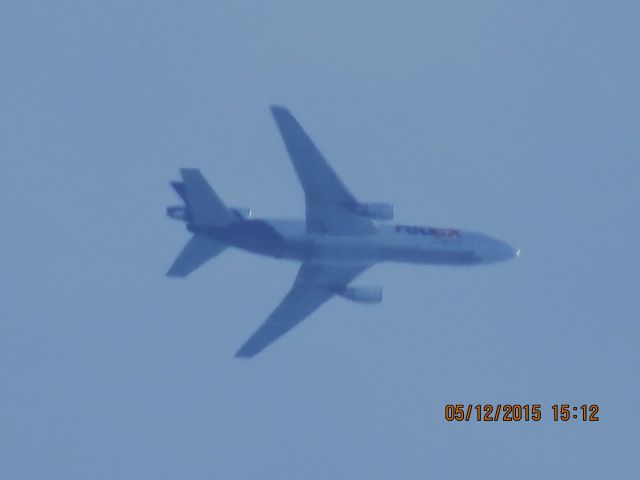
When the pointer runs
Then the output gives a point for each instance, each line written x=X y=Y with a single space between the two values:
x=393 y=243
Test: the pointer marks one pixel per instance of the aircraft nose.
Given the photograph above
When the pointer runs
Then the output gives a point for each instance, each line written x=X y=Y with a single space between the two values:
x=504 y=251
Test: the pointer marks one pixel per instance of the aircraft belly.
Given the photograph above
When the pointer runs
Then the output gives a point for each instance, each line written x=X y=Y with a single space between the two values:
x=434 y=256
x=346 y=248
x=293 y=244
x=427 y=249
x=256 y=236
x=346 y=255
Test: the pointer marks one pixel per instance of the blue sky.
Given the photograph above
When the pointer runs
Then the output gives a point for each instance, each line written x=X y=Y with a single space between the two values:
x=517 y=119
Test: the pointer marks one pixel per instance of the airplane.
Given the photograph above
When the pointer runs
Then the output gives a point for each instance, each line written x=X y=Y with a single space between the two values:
x=338 y=240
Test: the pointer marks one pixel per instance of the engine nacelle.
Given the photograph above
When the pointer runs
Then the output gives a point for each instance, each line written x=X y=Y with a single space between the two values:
x=363 y=294
x=377 y=211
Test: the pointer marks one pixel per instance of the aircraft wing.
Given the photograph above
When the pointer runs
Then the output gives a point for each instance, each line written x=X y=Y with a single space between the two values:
x=314 y=285
x=330 y=207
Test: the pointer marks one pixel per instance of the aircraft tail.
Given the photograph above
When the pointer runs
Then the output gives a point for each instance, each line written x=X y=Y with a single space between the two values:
x=203 y=206
x=194 y=254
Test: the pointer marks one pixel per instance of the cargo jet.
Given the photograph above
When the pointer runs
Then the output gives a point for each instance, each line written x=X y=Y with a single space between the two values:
x=338 y=240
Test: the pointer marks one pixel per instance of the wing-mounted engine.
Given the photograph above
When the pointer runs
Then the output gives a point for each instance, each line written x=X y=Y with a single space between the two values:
x=363 y=294
x=376 y=211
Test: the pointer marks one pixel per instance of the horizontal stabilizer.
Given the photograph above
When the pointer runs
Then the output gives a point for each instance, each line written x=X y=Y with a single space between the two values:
x=205 y=206
x=179 y=188
x=195 y=253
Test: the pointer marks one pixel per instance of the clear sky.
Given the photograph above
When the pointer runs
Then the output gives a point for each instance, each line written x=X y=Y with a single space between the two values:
x=519 y=119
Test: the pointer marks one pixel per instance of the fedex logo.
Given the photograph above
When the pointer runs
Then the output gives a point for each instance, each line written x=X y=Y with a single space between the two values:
x=437 y=232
